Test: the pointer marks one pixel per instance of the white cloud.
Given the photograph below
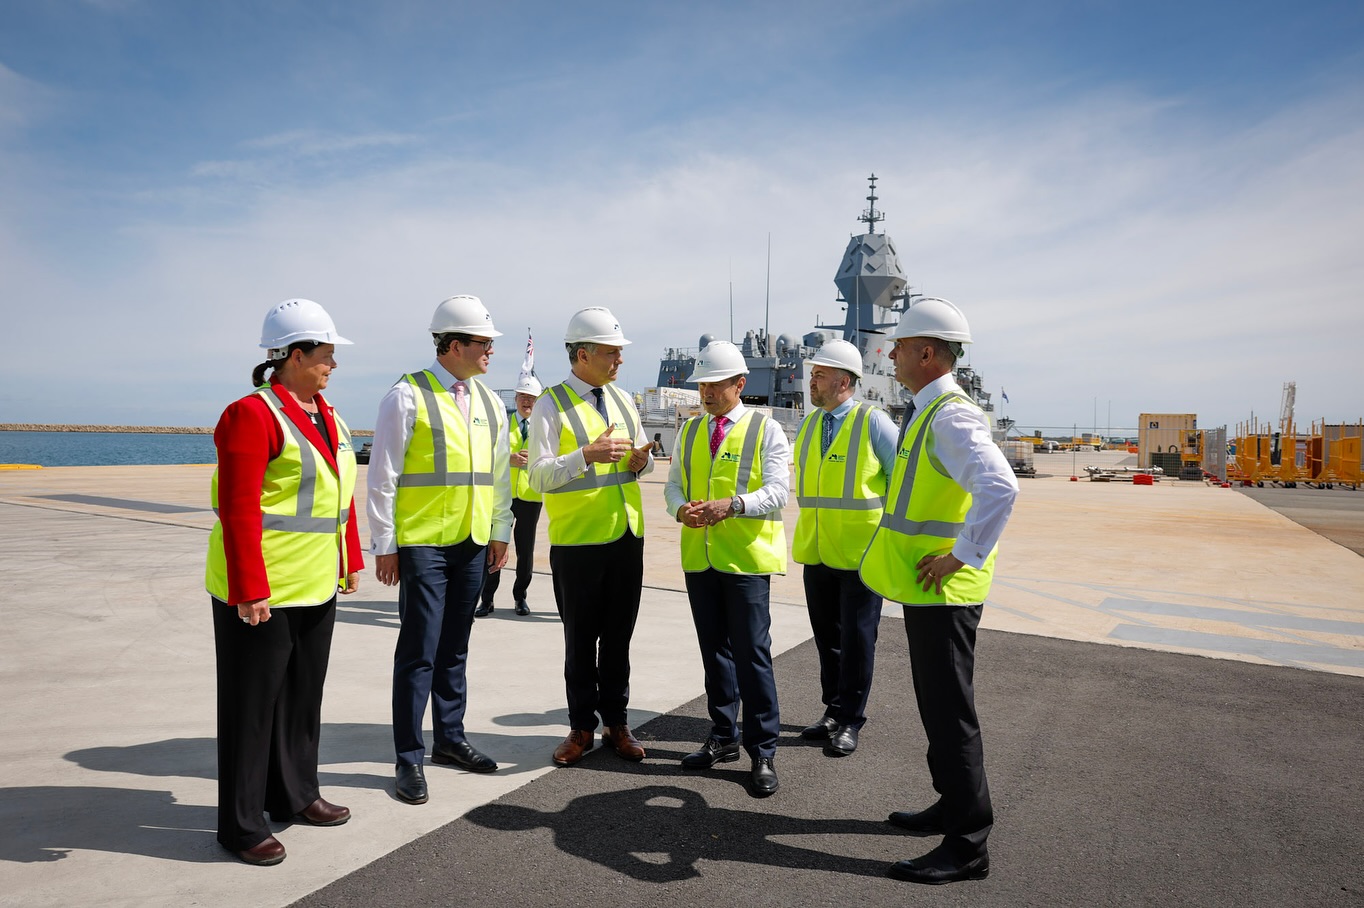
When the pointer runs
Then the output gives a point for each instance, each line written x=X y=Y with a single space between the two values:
x=1115 y=249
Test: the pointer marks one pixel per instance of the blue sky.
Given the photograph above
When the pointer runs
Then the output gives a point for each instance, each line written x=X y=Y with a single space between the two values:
x=1152 y=207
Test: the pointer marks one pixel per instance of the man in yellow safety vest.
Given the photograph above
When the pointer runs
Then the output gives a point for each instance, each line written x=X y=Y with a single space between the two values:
x=845 y=451
x=439 y=520
x=587 y=451
x=949 y=499
x=525 y=503
x=727 y=485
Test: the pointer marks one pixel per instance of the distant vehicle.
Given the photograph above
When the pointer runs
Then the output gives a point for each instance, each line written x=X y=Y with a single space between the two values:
x=362 y=455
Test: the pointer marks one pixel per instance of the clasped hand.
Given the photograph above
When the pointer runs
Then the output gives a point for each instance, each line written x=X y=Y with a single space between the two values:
x=696 y=514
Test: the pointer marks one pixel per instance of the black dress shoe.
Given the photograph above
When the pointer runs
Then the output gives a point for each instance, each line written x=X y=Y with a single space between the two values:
x=938 y=867
x=464 y=756
x=764 y=777
x=484 y=610
x=820 y=730
x=411 y=786
x=923 y=822
x=522 y=608
x=712 y=752
x=842 y=742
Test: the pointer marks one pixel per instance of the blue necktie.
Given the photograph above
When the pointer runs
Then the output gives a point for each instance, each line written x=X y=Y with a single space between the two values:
x=827 y=434
x=601 y=404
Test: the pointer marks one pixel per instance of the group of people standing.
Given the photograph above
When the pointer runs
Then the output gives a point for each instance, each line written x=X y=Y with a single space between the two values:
x=912 y=515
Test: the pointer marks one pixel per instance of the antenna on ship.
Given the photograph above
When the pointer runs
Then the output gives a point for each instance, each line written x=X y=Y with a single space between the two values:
x=767 y=315
x=871 y=217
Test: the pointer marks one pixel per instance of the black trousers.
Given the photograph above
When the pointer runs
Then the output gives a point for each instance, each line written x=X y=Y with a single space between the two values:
x=525 y=516
x=845 y=617
x=597 y=590
x=270 y=680
x=733 y=627
x=942 y=653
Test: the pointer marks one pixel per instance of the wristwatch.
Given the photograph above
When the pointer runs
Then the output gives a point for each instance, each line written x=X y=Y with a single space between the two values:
x=736 y=506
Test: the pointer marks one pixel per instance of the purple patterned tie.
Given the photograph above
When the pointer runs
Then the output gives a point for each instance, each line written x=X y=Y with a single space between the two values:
x=718 y=435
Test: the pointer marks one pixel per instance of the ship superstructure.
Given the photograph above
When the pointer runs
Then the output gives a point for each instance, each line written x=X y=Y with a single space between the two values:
x=873 y=292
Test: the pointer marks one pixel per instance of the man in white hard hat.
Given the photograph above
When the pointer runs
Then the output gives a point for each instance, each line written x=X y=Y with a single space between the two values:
x=845 y=452
x=439 y=521
x=525 y=504
x=727 y=485
x=948 y=502
x=587 y=451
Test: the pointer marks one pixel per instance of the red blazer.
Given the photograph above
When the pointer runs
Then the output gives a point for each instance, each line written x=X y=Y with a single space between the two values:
x=247 y=438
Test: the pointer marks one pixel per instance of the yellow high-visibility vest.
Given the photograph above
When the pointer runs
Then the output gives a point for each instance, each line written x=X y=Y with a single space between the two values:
x=520 y=477
x=841 y=494
x=304 y=511
x=445 y=492
x=744 y=543
x=600 y=505
x=925 y=513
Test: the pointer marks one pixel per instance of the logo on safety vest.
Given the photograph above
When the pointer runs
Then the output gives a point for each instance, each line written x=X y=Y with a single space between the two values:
x=478 y=421
x=728 y=456
x=838 y=458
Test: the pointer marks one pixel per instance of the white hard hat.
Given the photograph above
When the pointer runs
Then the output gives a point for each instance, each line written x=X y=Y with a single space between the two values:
x=718 y=361
x=528 y=384
x=463 y=315
x=840 y=354
x=933 y=317
x=293 y=321
x=595 y=325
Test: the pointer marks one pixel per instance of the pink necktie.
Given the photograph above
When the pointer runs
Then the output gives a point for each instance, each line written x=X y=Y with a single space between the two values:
x=718 y=434
x=462 y=398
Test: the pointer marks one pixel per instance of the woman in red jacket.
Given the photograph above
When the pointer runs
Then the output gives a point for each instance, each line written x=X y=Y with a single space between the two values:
x=284 y=545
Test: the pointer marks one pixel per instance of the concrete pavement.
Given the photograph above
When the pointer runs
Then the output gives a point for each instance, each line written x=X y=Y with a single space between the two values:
x=107 y=766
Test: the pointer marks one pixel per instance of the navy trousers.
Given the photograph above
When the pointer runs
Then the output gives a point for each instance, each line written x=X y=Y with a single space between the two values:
x=942 y=654
x=597 y=590
x=438 y=591
x=270 y=681
x=733 y=628
x=525 y=515
x=845 y=617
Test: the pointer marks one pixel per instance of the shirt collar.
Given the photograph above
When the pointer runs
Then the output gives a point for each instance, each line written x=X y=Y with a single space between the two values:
x=733 y=415
x=842 y=409
x=443 y=375
x=935 y=389
x=580 y=387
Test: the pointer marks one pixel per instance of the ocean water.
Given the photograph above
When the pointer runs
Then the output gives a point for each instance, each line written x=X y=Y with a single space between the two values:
x=96 y=449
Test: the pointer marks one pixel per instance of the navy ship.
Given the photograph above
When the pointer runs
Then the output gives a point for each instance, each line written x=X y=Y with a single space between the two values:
x=872 y=292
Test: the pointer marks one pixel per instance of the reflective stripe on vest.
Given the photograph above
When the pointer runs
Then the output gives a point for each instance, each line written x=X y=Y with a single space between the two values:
x=744 y=543
x=920 y=488
x=304 y=511
x=435 y=504
x=600 y=505
x=835 y=528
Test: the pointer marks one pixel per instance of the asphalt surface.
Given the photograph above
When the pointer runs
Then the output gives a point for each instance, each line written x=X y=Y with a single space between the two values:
x=1119 y=777
x=1336 y=513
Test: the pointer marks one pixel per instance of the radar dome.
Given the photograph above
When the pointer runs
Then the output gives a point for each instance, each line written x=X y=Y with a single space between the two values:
x=705 y=341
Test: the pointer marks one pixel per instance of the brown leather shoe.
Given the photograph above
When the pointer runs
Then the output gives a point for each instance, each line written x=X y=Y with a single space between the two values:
x=620 y=738
x=322 y=813
x=271 y=851
x=573 y=747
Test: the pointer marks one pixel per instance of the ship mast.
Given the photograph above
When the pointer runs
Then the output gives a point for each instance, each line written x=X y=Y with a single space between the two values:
x=870 y=217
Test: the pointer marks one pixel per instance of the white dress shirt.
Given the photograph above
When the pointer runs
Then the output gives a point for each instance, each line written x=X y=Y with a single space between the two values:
x=776 y=487
x=392 y=434
x=547 y=469
x=963 y=445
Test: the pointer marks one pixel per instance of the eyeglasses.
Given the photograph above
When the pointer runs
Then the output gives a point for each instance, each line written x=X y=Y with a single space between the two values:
x=487 y=345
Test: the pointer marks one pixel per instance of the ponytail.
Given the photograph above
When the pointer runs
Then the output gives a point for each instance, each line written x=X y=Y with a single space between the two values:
x=258 y=373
